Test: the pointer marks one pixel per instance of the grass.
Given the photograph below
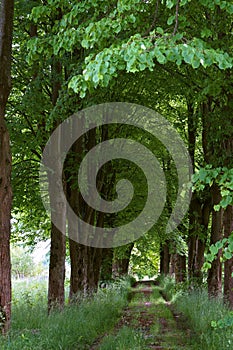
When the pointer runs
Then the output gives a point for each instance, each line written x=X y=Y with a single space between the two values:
x=126 y=339
x=148 y=322
x=202 y=312
x=75 y=328
x=202 y=315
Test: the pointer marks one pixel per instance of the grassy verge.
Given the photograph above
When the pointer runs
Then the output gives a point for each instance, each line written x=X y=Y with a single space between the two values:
x=203 y=315
x=209 y=319
x=74 y=328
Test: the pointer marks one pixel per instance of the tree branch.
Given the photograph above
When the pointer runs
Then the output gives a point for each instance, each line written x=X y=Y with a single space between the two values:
x=177 y=17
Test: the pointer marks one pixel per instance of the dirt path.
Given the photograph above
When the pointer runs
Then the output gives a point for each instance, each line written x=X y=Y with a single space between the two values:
x=150 y=318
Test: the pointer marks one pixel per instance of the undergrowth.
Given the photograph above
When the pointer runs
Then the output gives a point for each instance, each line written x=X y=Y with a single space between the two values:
x=76 y=327
x=209 y=319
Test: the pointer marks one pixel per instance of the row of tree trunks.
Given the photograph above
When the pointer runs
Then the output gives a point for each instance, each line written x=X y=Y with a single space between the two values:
x=6 y=30
x=85 y=260
x=173 y=264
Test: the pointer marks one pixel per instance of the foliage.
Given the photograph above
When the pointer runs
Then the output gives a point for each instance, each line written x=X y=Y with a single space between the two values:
x=225 y=322
x=223 y=177
x=226 y=244
x=144 y=261
x=22 y=262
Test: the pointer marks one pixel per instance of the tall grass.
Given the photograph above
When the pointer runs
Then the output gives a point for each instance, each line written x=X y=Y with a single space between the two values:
x=202 y=312
x=75 y=328
x=126 y=339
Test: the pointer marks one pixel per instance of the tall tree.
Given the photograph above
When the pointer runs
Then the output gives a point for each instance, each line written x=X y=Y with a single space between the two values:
x=6 y=30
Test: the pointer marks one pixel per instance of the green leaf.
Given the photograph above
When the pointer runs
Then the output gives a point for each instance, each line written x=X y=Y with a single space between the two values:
x=170 y=4
x=171 y=20
x=206 y=33
x=227 y=200
x=85 y=43
x=227 y=255
x=219 y=245
x=159 y=30
x=213 y=250
x=206 y=266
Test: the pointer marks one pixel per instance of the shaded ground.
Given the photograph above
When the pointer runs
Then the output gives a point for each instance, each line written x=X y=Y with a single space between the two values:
x=152 y=317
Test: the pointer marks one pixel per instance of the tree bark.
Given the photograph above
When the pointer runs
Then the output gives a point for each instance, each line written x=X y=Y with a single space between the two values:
x=121 y=265
x=56 y=291
x=198 y=228
x=106 y=266
x=6 y=30
x=228 y=264
x=180 y=268
x=215 y=272
x=165 y=259
x=76 y=249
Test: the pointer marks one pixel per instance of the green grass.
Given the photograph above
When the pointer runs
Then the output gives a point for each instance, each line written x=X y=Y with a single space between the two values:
x=149 y=322
x=201 y=312
x=126 y=339
x=75 y=328
x=78 y=326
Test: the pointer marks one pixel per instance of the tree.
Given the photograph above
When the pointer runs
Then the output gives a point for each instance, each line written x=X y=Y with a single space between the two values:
x=6 y=30
x=141 y=52
x=22 y=263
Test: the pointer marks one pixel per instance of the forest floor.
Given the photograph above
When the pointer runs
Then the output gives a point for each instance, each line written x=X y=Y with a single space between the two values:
x=148 y=322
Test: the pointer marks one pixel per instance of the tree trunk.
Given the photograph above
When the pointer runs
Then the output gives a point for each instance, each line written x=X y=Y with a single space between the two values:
x=121 y=265
x=5 y=216
x=6 y=29
x=56 y=291
x=106 y=266
x=199 y=260
x=215 y=272
x=165 y=259
x=93 y=257
x=228 y=265
x=180 y=268
x=198 y=227
x=172 y=265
